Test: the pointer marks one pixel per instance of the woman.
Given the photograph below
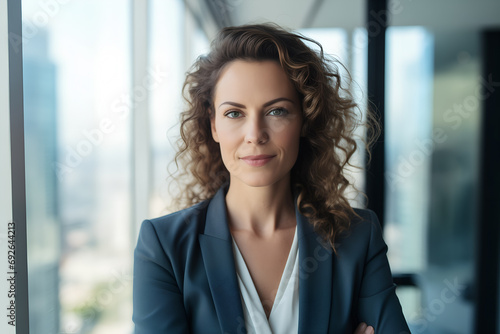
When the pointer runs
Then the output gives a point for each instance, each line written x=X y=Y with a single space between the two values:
x=269 y=243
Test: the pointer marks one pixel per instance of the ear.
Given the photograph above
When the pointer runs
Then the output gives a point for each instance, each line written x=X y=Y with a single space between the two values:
x=215 y=136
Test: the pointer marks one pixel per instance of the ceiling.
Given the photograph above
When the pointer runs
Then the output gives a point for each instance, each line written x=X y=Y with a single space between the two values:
x=439 y=15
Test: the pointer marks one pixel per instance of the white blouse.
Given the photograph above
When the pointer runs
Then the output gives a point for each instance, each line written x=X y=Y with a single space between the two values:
x=284 y=317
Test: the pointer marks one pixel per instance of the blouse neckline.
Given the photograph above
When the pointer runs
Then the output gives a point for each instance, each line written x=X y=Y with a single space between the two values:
x=284 y=312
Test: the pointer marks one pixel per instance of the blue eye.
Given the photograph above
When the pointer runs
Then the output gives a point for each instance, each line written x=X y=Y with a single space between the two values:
x=278 y=112
x=233 y=114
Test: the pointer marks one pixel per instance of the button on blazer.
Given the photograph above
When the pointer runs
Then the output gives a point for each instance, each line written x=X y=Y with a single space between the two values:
x=185 y=277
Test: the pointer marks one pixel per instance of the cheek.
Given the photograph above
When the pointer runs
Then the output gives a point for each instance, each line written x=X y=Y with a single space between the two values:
x=294 y=144
x=228 y=149
x=228 y=141
x=288 y=134
x=225 y=130
x=281 y=126
x=227 y=138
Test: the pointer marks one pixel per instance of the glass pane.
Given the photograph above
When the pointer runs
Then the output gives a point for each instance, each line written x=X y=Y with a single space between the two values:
x=174 y=45
x=409 y=80
x=432 y=125
x=77 y=68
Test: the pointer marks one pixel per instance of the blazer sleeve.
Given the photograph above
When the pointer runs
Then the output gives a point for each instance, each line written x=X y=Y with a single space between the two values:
x=378 y=304
x=157 y=300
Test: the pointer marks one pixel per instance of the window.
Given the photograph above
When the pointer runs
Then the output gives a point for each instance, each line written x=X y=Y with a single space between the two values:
x=432 y=143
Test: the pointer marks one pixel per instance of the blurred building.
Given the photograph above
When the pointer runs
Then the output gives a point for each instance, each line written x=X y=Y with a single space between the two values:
x=44 y=231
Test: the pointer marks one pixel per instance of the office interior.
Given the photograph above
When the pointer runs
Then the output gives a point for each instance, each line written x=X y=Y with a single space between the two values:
x=91 y=96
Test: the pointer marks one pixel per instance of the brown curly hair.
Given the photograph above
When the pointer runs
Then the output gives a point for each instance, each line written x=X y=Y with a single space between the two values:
x=329 y=119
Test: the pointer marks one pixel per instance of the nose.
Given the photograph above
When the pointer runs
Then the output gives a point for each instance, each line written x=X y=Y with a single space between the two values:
x=256 y=131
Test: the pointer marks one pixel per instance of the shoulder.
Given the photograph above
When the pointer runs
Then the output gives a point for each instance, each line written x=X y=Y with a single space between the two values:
x=366 y=215
x=364 y=232
x=188 y=218
x=176 y=228
x=365 y=222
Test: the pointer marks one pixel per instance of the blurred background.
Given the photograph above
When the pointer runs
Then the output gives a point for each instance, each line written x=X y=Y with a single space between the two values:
x=102 y=97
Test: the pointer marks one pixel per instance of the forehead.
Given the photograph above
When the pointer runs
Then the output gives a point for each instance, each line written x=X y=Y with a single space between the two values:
x=244 y=80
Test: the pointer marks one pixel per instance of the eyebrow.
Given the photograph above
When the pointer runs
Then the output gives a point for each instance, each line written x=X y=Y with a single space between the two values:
x=239 y=105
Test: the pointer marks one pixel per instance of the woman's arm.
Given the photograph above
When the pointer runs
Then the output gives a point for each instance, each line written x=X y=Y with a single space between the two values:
x=158 y=304
x=378 y=304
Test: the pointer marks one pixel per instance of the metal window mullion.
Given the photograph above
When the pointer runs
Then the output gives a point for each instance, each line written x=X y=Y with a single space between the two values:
x=6 y=202
x=141 y=139
x=17 y=162
x=375 y=171
x=488 y=231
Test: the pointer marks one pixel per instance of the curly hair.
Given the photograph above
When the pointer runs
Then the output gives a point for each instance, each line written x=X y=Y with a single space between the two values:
x=327 y=140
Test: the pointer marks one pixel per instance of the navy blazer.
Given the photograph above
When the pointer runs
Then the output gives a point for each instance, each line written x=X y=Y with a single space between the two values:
x=185 y=277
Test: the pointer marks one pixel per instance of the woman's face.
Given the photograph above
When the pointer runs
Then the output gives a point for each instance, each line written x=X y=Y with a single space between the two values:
x=257 y=122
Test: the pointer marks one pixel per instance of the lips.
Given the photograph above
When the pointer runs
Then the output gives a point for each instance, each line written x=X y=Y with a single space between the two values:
x=257 y=160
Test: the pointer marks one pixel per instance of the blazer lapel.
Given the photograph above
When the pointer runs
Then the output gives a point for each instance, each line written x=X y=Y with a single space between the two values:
x=217 y=252
x=315 y=272
x=315 y=278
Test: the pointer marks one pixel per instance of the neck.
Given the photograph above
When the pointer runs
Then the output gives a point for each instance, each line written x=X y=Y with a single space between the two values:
x=260 y=210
